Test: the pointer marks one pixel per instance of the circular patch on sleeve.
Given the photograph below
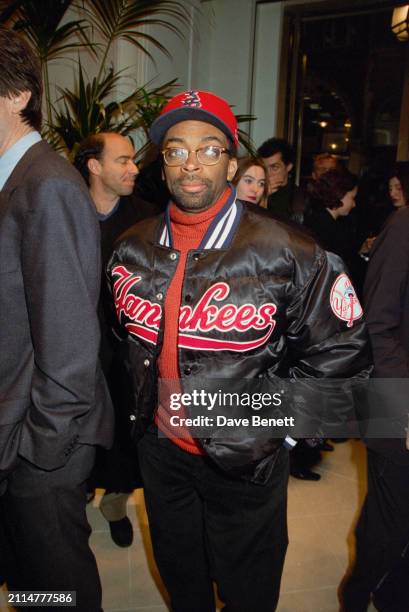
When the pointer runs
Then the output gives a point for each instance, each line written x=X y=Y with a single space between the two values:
x=344 y=302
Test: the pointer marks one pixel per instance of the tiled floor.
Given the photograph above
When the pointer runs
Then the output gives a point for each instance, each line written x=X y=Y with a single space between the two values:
x=320 y=516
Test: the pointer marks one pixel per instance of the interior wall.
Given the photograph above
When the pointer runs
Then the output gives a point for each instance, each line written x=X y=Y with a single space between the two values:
x=267 y=51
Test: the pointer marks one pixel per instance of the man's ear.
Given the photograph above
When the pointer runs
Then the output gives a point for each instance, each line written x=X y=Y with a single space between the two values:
x=290 y=166
x=231 y=168
x=20 y=101
x=94 y=166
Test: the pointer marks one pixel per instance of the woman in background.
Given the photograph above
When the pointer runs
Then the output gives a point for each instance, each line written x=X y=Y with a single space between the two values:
x=251 y=181
x=398 y=188
x=335 y=194
x=399 y=184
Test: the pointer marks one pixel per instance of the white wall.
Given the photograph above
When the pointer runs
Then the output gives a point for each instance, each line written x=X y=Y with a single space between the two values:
x=224 y=57
x=269 y=19
x=229 y=39
x=238 y=58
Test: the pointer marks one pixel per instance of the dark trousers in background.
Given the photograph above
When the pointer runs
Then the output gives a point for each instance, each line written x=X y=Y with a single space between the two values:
x=44 y=531
x=382 y=535
x=206 y=526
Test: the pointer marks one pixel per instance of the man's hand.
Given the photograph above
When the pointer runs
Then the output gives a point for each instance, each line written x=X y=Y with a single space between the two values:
x=274 y=184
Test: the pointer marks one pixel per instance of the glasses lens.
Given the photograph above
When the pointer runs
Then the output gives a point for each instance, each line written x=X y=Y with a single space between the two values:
x=209 y=155
x=175 y=156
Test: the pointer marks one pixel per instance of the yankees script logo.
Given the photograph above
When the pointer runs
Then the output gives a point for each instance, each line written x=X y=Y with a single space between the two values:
x=143 y=316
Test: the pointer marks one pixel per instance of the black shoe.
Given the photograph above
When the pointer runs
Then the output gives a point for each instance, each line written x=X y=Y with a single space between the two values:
x=305 y=474
x=121 y=532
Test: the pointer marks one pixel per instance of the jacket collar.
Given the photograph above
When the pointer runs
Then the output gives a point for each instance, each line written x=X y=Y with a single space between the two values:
x=221 y=230
x=36 y=150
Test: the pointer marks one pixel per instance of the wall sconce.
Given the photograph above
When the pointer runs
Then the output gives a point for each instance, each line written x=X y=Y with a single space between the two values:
x=400 y=22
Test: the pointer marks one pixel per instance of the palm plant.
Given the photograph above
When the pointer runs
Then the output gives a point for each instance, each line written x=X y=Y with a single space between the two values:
x=90 y=107
x=84 y=110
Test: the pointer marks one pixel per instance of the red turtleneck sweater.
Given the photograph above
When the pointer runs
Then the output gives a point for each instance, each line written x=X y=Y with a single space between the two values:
x=187 y=233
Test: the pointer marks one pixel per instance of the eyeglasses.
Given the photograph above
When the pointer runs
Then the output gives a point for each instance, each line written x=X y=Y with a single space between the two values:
x=208 y=156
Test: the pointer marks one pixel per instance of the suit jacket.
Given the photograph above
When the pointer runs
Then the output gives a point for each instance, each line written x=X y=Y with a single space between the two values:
x=386 y=294
x=52 y=392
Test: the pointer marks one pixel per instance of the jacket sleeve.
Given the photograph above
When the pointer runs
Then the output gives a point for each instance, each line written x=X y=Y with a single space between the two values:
x=385 y=287
x=61 y=274
x=328 y=347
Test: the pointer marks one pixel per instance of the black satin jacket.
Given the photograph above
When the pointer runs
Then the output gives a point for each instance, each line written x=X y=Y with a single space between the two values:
x=259 y=299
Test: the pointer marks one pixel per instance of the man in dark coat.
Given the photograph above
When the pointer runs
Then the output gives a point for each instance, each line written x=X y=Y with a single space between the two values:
x=382 y=532
x=54 y=404
x=107 y=163
x=285 y=199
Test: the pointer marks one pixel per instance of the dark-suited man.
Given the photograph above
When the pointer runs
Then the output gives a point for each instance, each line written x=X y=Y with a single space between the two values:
x=54 y=406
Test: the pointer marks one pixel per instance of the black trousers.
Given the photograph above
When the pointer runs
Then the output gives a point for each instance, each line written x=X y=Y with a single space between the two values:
x=382 y=534
x=44 y=531
x=206 y=526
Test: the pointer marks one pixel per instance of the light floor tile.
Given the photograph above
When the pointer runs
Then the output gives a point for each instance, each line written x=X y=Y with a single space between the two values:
x=321 y=517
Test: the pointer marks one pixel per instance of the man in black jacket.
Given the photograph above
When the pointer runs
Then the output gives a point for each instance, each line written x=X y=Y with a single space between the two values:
x=54 y=404
x=285 y=199
x=382 y=533
x=215 y=289
x=107 y=163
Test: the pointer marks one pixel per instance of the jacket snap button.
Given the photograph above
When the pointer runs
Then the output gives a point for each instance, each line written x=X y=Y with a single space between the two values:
x=173 y=256
x=159 y=296
x=187 y=370
x=146 y=363
x=196 y=257
x=132 y=417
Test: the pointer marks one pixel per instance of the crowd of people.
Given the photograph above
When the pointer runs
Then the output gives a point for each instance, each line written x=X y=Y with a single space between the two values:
x=242 y=276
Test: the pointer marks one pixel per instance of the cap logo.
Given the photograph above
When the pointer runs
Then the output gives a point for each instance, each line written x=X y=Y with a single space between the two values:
x=191 y=98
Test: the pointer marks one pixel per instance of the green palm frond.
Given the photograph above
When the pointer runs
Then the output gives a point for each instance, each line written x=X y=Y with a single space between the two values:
x=94 y=104
x=88 y=108
x=40 y=21
x=126 y=19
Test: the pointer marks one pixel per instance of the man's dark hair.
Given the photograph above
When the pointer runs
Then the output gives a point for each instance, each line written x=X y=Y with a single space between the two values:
x=20 y=71
x=277 y=145
x=92 y=147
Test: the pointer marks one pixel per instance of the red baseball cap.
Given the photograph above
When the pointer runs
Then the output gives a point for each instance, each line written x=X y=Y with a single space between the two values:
x=199 y=106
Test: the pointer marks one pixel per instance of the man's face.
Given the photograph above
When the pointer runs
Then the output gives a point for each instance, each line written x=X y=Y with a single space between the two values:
x=10 y=121
x=277 y=171
x=195 y=187
x=116 y=171
x=321 y=166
